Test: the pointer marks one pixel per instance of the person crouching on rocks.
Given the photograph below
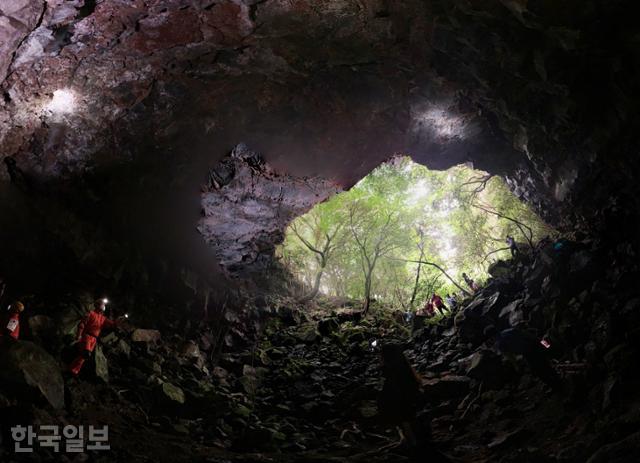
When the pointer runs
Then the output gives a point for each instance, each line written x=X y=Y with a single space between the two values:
x=513 y=247
x=11 y=328
x=88 y=333
x=399 y=401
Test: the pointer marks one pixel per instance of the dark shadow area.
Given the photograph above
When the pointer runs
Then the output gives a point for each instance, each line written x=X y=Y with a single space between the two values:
x=143 y=144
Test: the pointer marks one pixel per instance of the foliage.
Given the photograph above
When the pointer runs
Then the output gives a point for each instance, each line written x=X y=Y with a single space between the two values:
x=404 y=232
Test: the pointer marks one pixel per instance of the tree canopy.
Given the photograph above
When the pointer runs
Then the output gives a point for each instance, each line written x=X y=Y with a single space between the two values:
x=404 y=232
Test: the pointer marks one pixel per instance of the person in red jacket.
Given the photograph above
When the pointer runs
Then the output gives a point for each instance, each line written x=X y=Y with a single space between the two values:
x=436 y=301
x=426 y=311
x=88 y=332
x=12 y=327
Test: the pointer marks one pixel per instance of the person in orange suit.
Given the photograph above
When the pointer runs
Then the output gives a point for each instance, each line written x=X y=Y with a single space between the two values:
x=12 y=326
x=88 y=333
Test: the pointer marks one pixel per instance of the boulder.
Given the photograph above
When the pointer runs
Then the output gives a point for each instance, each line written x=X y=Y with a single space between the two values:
x=622 y=359
x=290 y=316
x=470 y=323
x=492 y=305
x=368 y=408
x=631 y=311
x=509 y=308
x=147 y=365
x=122 y=348
x=220 y=373
x=445 y=388
x=172 y=393
x=328 y=326
x=148 y=336
x=25 y=366
x=474 y=309
x=534 y=279
x=190 y=349
x=101 y=364
x=500 y=269
x=206 y=341
x=612 y=390
x=486 y=366
x=4 y=402
x=625 y=451
x=258 y=437
x=307 y=333
x=42 y=327
x=507 y=438
x=582 y=266
x=511 y=314
x=251 y=378
x=602 y=331
x=109 y=338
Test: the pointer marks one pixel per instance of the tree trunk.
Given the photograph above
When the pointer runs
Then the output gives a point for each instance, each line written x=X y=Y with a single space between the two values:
x=316 y=287
x=367 y=294
x=415 y=286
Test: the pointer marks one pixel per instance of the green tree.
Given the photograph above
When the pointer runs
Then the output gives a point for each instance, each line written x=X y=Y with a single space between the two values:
x=320 y=232
x=404 y=232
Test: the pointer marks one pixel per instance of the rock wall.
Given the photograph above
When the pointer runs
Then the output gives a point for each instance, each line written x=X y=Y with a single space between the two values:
x=561 y=82
x=247 y=205
x=539 y=92
x=327 y=91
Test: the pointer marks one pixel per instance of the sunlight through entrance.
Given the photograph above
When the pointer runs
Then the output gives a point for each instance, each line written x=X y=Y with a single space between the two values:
x=405 y=232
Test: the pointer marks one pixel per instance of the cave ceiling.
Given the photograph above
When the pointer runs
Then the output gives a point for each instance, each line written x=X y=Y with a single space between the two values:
x=540 y=92
x=330 y=87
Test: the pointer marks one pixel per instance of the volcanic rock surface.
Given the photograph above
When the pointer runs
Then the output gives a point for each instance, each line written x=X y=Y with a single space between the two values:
x=272 y=383
x=246 y=206
x=114 y=113
x=543 y=93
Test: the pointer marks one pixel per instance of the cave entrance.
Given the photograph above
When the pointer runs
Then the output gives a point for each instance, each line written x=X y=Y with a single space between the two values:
x=405 y=232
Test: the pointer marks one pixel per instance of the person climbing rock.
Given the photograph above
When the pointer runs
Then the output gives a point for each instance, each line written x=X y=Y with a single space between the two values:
x=472 y=284
x=437 y=303
x=11 y=328
x=516 y=341
x=399 y=401
x=427 y=310
x=89 y=330
x=513 y=247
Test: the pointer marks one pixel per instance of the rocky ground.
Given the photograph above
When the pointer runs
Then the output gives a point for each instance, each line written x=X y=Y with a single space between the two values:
x=306 y=389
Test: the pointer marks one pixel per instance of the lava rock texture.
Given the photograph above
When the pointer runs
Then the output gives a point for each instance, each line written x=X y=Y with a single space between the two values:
x=246 y=205
x=273 y=383
x=541 y=92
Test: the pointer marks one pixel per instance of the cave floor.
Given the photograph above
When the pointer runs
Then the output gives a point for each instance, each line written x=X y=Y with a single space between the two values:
x=307 y=397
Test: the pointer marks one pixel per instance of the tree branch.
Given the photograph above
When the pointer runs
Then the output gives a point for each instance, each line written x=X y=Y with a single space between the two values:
x=305 y=242
x=529 y=236
x=432 y=264
x=493 y=252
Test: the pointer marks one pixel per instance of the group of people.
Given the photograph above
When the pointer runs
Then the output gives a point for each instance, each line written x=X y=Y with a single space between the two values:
x=89 y=330
x=450 y=302
x=434 y=303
